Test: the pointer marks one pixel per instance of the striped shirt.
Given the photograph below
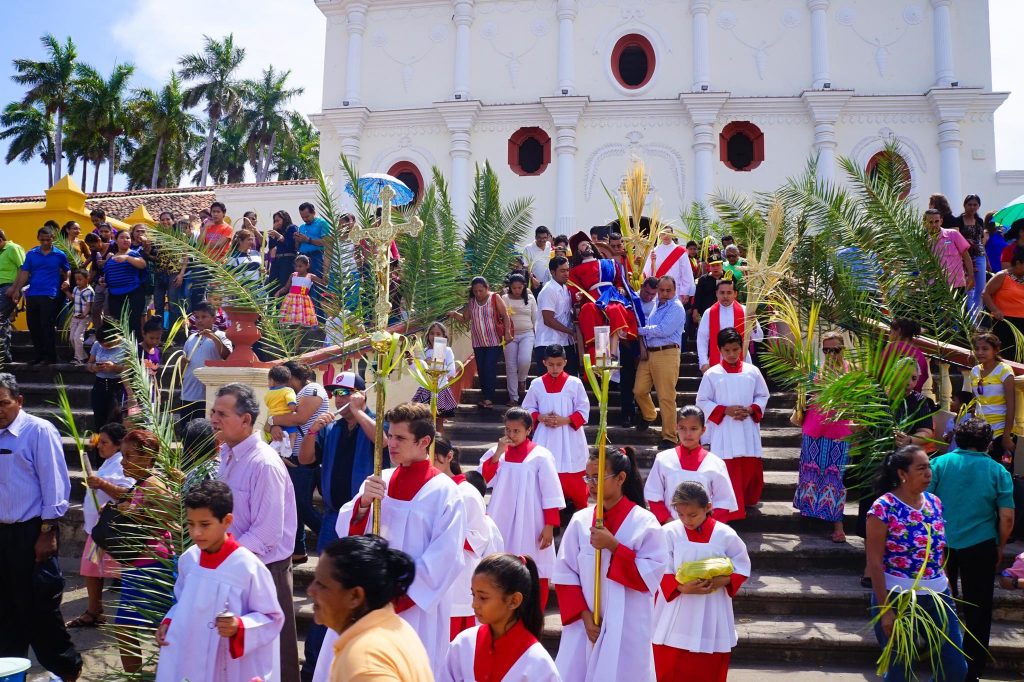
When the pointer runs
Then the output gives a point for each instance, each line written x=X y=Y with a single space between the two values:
x=83 y=297
x=310 y=389
x=246 y=265
x=990 y=395
x=123 y=277
x=483 y=328
x=33 y=474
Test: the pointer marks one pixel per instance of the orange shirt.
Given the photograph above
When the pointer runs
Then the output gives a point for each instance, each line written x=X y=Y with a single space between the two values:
x=1010 y=297
x=218 y=238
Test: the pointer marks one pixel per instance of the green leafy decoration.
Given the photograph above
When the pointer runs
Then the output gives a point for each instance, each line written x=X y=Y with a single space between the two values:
x=495 y=230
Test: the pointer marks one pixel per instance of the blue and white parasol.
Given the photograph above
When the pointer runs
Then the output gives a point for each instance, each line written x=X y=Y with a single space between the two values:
x=372 y=183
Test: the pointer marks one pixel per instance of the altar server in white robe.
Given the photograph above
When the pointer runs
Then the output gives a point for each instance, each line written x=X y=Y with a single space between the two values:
x=672 y=260
x=560 y=409
x=694 y=629
x=478 y=535
x=421 y=514
x=226 y=619
x=688 y=461
x=504 y=647
x=733 y=395
x=727 y=312
x=633 y=560
x=525 y=494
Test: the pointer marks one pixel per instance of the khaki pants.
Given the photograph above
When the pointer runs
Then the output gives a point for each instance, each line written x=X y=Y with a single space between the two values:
x=660 y=371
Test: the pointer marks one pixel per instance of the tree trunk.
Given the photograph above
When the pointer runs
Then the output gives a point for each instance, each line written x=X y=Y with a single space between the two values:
x=111 y=163
x=58 y=142
x=156 y=163
x=85 y=170
x=209 y=149
x=96 y=177
x=49 y=174
x=269 y=158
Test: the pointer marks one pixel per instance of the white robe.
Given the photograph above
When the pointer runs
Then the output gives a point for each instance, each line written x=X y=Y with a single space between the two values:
x=733 y=438
x=667 y=473
x=431 y=528
x=241 y=585
x=726 y=319
x=535 y=665
x=701 y=623
x=478 y=537
x=681 y=271
x=520 y=492
x=623 y=649
x=567 y=445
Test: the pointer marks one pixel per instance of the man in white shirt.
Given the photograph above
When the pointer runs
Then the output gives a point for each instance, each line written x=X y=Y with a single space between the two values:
x=537 y=256
x=555 y=325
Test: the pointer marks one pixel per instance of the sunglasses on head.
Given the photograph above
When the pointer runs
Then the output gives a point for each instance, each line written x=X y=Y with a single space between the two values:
x=832 y=351
x=342 y=392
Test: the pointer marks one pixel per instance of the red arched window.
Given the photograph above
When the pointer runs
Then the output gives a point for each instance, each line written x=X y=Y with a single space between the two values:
x=633 y=61
x=408 y=173
x=529 y=151
x=741 y=146
x=872 y=168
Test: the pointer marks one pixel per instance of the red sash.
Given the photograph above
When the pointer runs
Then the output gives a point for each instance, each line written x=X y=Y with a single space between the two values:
x=671 y=260
x=715 y=326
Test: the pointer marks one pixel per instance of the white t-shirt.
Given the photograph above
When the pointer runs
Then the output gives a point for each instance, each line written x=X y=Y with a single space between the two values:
x=554 y=297
x=537 y=259
x=198 y=350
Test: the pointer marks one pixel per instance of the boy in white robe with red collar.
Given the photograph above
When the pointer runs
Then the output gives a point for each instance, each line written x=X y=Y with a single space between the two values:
x=733 y=395
x=727 y=312
x=560 y=407
x=421 y=514
x=226 y=619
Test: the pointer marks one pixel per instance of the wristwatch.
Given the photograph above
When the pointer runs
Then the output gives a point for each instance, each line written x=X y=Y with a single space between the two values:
x=47 y=527
x=270 y=420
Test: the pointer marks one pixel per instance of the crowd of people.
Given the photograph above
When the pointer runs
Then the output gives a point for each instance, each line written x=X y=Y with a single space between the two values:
x=423 y=576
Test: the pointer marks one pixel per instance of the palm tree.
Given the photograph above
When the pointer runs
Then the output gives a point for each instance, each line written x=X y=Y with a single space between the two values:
x=297 y=155
x=167 y=122
x=265 y=116
x=103 y=104
x=51 y=84
x=30 y=131
x=228 y=155
x=214 y=70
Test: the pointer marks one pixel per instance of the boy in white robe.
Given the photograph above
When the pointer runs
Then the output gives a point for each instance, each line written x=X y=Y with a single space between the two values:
x=421 y=514
x=688 y=461
x=633 y=560
x=560 y=407
x=226 y=619
x=733 y=395
x=727 y=312
x=525 y=494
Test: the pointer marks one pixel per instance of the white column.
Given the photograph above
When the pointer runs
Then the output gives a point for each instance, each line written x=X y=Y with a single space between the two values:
x=950 y=107
x=943 y=36
x=566 y=13
x=699 y=10
x=819 y=43
x=825 y=107
x=565 y=113
x=460 y=117
x=353 y=67
x=463 y=19
x=703 y=109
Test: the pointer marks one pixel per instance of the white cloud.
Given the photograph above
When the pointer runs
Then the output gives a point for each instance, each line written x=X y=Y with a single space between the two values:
x=288 y=34
x=1006 y=18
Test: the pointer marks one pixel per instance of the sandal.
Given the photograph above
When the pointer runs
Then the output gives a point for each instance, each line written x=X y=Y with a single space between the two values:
x=838 y=537
x=865 y=582
x=87 y=620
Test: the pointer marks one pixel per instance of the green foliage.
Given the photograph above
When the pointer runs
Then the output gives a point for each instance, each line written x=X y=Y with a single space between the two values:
x=495 y=230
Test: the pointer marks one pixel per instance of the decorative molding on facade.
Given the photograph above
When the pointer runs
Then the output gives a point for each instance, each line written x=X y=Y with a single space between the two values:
x=909 y=150
x=728 y=21
x=634 y=146
x=912 y=15
x=1010 y=177
x=405 y=151
x=539 y=29
x=632 y=22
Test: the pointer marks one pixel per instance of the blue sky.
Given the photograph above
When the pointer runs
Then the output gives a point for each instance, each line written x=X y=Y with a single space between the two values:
x=289 y=34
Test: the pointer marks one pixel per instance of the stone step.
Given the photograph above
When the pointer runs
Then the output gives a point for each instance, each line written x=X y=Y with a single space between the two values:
x=42 y=395
x=779 y=516
x=471 y=396
x=471 y=414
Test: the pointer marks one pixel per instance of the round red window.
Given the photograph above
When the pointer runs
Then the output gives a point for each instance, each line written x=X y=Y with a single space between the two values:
x=409 y=174
x=900 y=166
x=633 y=61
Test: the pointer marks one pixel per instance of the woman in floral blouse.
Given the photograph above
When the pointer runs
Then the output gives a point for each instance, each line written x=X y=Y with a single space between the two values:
x=901 y=524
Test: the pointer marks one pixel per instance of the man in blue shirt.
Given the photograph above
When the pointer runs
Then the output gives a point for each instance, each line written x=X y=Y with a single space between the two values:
x=660 y=370
x=45 y=270
x=34 y=492
x=312 y=237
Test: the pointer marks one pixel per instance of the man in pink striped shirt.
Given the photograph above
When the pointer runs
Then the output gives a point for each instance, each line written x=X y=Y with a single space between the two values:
x=264 y=512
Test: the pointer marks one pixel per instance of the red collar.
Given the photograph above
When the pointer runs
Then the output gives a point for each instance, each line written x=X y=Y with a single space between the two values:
x=459 y=478
x=555 y=384
x=215 y=559
x=494 y=658
x=690 y=460
x=732 y=369
x=614 y=517
x=516 y=454
x=703 y=534
x=407 y=480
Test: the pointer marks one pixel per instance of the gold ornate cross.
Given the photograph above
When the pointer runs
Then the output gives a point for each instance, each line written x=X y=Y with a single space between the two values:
x=380 y=237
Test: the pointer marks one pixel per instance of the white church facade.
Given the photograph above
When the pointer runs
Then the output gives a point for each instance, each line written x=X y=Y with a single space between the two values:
x=734 y=95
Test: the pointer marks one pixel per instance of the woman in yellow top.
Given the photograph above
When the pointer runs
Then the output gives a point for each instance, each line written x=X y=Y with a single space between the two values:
x=994 y=396
x=71 y=232
x=356 y=580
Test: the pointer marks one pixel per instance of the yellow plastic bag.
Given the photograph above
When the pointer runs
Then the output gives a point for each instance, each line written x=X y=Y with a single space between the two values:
x=705 y=569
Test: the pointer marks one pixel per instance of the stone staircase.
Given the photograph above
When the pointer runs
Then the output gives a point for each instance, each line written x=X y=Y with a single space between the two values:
x=803 y=607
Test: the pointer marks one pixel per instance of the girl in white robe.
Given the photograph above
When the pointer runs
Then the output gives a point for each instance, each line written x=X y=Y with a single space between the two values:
x=504 y=647
x=525 y=494
x=560 y=409
x=688 y=461
x=633 y=560
x=694 y=629
x=216 y=576
x=733 y=396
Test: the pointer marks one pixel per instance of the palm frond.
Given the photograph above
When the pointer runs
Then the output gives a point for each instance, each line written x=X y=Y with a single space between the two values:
x=495 y=230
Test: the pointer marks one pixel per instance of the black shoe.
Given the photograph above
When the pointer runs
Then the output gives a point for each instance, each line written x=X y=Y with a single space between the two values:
x=666 y=444
x=626 y=423
x=642 y=425
x=35 y=363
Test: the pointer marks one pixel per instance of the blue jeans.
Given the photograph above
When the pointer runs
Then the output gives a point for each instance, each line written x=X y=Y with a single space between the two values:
x=952 y=661
x=163 y=286
x=487 y=368
x=328 y=530
x=304 y=481
x=979 y=283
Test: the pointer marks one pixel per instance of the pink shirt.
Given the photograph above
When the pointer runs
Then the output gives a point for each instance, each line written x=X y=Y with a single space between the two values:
x=948 y=246
x=264 y=510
